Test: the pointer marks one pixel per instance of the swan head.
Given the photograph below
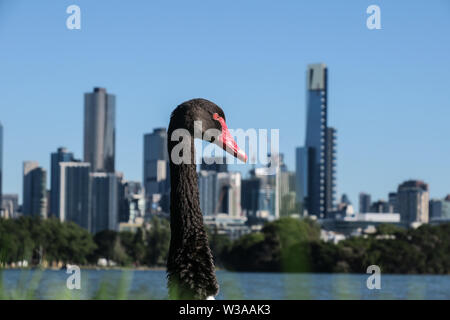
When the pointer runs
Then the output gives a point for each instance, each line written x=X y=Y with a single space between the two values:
x=206 y=120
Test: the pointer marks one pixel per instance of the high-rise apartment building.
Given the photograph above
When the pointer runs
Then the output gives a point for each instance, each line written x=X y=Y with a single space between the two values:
x=413 y=201
x=207 y=184
x=156 y=161
x=106 y=197
x=34 y=189
x=73 y=194
x=156 y=178
x=61 y=155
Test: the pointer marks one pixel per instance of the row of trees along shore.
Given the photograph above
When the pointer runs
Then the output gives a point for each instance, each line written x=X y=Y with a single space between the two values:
x=284 y=245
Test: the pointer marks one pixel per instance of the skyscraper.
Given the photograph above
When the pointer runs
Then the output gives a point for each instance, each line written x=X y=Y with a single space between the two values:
x=34 y=189
x=105 y=200
x=413 y=201
x=61 y=155
x=207 y=184
x=364 y=202
x=156 y=164
x=74 y=201
x=316 y=161
x=99 y=130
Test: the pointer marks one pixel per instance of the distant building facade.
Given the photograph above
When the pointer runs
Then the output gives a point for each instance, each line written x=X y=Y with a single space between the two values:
x=133 y=205
x=364 y=202
x=106 y=196
x=440 y=208
x=260 y=194
x=10 y=205
x=380 y=206
x=74 y=197
x=156 y=178
x=224 y=224
x=229 y=193
x=100 y=130
x=413 y=201
x=220 y=192
x=61 y=155
x=392 y=199
x=207 y=185
x=34 y=189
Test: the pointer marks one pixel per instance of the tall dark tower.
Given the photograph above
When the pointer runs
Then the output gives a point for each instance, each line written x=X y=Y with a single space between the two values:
x=100 y=130
x=315 y=161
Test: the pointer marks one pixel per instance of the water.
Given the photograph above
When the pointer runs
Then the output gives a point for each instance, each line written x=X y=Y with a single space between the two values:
x=116 y=284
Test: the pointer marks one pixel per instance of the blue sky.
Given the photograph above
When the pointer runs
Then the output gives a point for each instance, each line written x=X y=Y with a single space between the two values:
x=389 y=94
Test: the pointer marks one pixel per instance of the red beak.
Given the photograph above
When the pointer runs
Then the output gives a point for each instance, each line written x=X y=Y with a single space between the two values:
x=227 y=142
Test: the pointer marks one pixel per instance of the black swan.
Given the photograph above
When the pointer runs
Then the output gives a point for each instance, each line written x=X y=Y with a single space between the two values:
x=190 y=266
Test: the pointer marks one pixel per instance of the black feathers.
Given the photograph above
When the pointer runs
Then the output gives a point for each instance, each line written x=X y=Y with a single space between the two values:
x=190 y=266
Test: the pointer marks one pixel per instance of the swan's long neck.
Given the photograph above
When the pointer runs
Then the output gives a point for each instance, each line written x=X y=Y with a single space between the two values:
x=190 y=266
x=184 y=202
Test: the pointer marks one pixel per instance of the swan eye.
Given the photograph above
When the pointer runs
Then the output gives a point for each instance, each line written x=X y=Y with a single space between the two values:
x=216 y=116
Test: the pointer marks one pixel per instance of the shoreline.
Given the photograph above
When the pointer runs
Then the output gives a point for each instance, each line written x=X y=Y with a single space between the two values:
x=86 y=268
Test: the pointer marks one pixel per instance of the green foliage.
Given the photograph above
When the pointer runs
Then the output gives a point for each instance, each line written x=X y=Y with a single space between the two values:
x=219 y=243
x=36 y=240
x=422 y=250
x=158 y=241
x=287 y=245
x=289 y=205
x=281 y=246
x=145 y=247
x=293 y=245
x=389 y=229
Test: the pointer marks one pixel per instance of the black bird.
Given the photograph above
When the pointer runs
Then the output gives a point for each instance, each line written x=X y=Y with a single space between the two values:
x=190 y=266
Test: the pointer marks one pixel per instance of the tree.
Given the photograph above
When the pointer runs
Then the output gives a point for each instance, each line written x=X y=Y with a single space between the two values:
x=158 y=241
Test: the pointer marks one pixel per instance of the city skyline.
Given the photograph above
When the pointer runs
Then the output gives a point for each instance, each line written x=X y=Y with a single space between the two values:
x=379 y=96
x=156 y=131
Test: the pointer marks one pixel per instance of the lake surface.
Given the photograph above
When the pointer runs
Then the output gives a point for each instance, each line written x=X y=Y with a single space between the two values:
x=151 y=284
